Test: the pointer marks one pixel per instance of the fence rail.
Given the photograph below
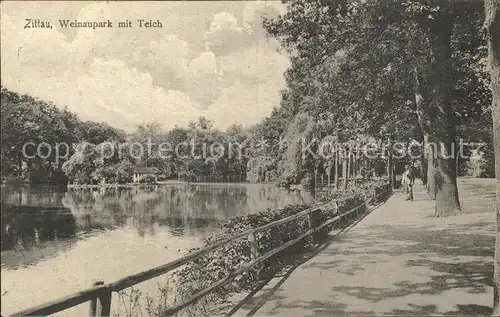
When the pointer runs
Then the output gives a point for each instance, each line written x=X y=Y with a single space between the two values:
x=100 y=294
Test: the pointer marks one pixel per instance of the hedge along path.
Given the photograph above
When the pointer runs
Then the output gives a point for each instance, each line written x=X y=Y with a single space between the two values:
x=100 y=295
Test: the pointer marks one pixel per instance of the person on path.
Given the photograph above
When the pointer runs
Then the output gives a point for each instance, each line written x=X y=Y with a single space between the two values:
x=408 y=181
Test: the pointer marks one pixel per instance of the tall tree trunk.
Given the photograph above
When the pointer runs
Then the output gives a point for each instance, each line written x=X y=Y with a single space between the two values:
x=356 y=169
x=315 y=178
x=431 y=187
x=393 y=174
x=424 y=166
x=353 y=169
x=30 y=168
x=329 y=176
x=344 y=169
x=336 y=176
x=390 y=167
x=349 y=166
x=421 y=101
x=441 y=115
x=431 y=179
x=492 y=25
x=20 y=166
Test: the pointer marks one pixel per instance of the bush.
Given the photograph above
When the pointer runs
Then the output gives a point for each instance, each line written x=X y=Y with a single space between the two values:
x=365 y=191
x=187 y=176
x=271 y=176
x=307 y=183
x=58 y=178
x=218 y=264
x=147 y=179
x=287 y=182
x=209 y=269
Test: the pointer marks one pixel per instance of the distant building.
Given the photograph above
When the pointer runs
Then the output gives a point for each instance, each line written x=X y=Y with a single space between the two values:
x=141 y=172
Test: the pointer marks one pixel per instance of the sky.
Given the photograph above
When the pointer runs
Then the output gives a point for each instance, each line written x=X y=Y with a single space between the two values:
x=209 y=59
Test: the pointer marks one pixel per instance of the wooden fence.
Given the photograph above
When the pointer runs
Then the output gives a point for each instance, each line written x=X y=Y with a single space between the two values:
x=100 y=294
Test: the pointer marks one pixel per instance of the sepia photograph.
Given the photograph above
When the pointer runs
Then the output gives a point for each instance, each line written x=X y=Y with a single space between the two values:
x=290 y=158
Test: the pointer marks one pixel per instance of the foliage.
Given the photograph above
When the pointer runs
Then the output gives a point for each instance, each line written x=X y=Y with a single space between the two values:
x=307 y=183
x=80 y=166
x=365 y=191
x=218 y=264
x=258 y=167
x=147 y=179
x=187 y=176
x=400 y=68
x=25 y=119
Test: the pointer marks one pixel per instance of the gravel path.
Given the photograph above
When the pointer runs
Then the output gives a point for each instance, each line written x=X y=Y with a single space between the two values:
x=399 y=260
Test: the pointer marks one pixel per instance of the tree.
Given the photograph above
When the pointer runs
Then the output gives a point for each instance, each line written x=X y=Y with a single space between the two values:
x=150 y=136
x=492 y=26
x=79 y=168
x=99 y=132
x=37 y=126
x=362 y=78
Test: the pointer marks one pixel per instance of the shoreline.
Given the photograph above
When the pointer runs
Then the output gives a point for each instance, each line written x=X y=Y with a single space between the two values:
x=134 y=185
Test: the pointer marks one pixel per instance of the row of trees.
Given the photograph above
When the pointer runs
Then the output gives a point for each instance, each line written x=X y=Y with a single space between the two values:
x=36 y=127
x=394 y=69
x=385 y=69
x=269 y=151
x=95 y=152
x=193 y=151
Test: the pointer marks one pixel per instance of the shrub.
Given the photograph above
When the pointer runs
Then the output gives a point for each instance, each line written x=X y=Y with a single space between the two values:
x=201 y=273
x=271 y=176
x=364 y=191
x=187 y=176
x=287 y=182
x=307 y=183
x=216 y=265
x=147 y=179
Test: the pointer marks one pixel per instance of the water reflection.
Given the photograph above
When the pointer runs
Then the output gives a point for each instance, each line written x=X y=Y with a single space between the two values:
x=58 y=241
x=42 y=220
x=30 y=234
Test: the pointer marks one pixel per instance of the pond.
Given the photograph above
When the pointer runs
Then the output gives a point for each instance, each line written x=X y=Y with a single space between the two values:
x=56 y=242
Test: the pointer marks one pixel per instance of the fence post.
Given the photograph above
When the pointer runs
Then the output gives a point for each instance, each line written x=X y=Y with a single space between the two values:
x=311 y=225
x=253 y=246
x=93 y=302
x=101 y=306
x=104 y=304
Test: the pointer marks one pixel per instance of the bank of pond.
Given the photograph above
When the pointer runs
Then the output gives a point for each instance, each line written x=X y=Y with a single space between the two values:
x=60 y=240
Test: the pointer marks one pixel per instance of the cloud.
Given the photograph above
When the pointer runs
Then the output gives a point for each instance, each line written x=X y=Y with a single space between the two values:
x=127 y=77
x=255 y=65
x=226 y=34
x=131 y=95
x=166 y=59
x=203 y=80
x=255 y=11
x=102 y=89
x=243 y=104
x=32 y=48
